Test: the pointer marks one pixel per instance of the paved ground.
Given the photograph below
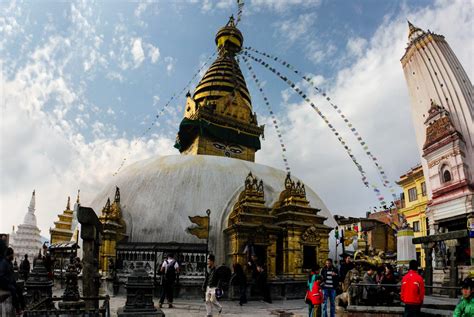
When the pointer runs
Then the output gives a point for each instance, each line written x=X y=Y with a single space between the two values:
x=188 y=308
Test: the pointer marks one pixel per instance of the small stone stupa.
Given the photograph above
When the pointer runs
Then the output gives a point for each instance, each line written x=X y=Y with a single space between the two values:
x=27 y=239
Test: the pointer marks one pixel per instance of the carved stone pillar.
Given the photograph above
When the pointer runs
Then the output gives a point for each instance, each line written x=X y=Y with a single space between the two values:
x=428 y=248
x=90 y=235
x=453 y=270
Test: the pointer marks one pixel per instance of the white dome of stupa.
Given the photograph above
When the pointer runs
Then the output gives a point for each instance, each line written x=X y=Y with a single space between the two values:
x=158 y=194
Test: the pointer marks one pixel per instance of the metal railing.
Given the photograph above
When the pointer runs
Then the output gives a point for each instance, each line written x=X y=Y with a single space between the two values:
x=388 y=294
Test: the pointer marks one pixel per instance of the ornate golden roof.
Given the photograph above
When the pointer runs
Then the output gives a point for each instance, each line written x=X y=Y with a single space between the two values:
x=224 y=76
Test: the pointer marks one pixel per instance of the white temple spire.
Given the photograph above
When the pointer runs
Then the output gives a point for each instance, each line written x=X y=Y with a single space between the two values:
x=31 y=207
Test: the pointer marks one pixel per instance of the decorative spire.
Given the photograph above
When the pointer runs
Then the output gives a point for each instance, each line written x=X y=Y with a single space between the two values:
x=68 y=206
x=117 y=195
x=77 y=200
x=414 y=32
x=31 y=207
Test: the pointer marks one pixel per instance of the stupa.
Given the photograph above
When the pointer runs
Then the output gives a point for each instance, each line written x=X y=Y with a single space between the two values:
x=27 y=239
x=218 y=137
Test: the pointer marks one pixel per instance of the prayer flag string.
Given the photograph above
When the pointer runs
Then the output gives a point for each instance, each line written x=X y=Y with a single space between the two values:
x=161 y=112
x=258 y=83
x=382 y=174
x=364 y=179
x=240 y=7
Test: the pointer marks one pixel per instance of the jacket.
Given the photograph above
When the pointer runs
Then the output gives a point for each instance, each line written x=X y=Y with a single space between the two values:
x=335 y=278
x=412 y=288
x=212 y=279
x=368 y=291
x=465 y=308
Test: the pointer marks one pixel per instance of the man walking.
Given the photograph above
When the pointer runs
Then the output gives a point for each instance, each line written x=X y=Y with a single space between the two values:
x=211 y=283
x=330 y=281
x=412 y=291
x=169 y=269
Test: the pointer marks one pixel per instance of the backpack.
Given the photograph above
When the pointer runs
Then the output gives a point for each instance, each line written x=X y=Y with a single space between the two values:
x=170 y=274
x=314 y=294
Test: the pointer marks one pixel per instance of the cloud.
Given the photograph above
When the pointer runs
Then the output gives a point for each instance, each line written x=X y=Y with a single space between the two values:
x=153 y=53
x=317 y=52
x=356 y=46
x=137 y=51
x=170 y=62
x=281 y=5
x=293 y=29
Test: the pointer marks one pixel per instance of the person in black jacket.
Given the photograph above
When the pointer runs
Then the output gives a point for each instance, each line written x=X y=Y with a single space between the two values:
x=330 y=277
x=262 y=284
x=346 y=266
x=8 y=283
x=240 y=280
x=211 y=283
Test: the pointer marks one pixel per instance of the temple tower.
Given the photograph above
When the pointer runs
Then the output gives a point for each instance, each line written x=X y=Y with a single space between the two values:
x=114 y=228
x=452 y=199
x=433 y=72
x=218 y=118
x=62 y=230
x=27 y=239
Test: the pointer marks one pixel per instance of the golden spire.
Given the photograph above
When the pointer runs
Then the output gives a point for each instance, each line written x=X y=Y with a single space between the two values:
x=77 y=200
x=224 y=76
x=68 y=205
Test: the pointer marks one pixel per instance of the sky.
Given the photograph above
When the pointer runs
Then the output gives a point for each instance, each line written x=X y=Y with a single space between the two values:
x=81 y=82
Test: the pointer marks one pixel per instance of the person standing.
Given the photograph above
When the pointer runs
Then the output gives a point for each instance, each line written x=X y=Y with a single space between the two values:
x=330 y=277
x=314 y=294
x=8 y=283
x=346 y=266
x=465 y=308
x=369 y=290
x=25 y=268
x=240 y=280
x=169 y=269
x=412 y=291
x=263 y=284
x=211 y=283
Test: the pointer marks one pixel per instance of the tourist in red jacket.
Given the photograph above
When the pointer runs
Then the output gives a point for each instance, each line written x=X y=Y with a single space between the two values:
x=412 y=291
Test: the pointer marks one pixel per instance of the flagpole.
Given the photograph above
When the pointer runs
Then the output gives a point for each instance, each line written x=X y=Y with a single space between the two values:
x=208 y=212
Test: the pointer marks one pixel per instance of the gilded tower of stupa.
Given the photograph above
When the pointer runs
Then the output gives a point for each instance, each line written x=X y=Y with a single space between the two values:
x=65 y=227
x=62 y=230
x=218 y=118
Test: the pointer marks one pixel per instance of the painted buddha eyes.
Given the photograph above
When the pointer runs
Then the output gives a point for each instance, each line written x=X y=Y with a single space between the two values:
x=228 y=149
x=219 y=146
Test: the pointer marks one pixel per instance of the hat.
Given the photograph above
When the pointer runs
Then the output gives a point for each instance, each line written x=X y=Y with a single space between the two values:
x=467 y=283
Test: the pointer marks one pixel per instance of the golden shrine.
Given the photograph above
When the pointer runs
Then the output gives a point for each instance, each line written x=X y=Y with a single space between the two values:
x=113 y=231
x=289 y=238
x=63 y=231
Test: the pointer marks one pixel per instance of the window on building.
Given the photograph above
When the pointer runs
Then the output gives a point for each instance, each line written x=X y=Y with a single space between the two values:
x=427 y=227
x=412 y=194
x=446 y=176
x=423 y=189
x=416 y=226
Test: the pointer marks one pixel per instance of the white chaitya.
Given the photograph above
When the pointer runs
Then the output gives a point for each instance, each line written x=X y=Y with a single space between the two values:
x=27 y=239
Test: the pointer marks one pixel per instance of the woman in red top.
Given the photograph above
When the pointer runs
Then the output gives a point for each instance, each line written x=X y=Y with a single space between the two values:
x=314 y=293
